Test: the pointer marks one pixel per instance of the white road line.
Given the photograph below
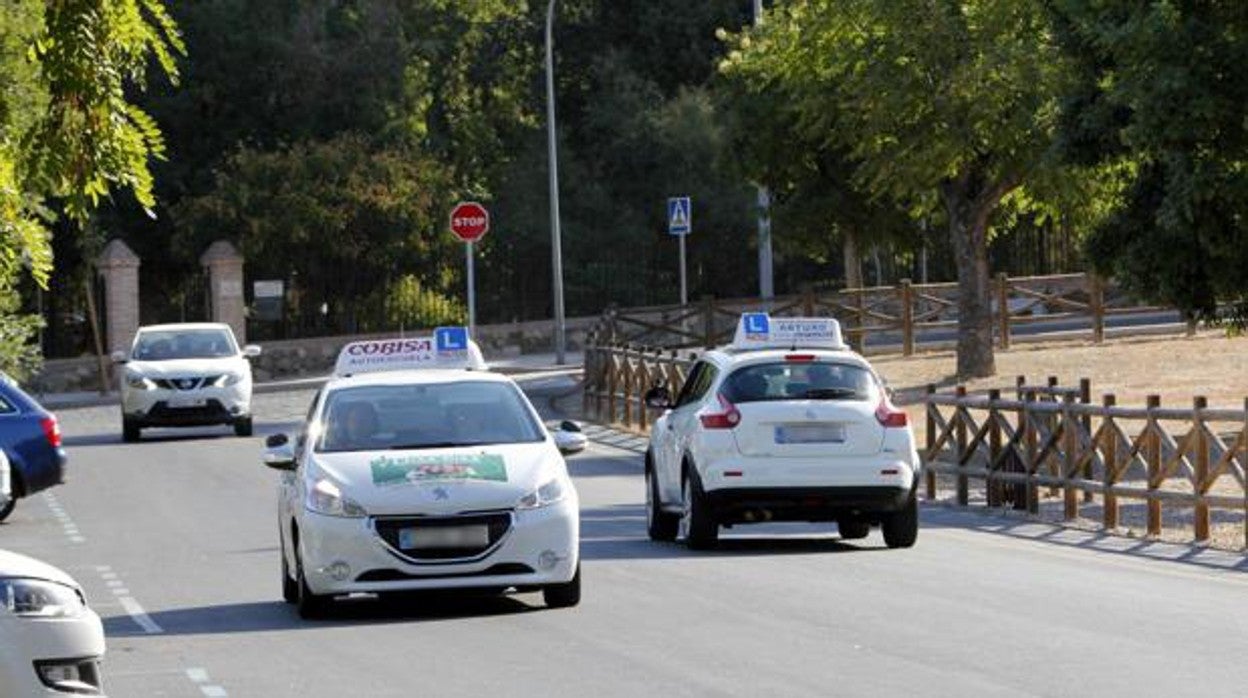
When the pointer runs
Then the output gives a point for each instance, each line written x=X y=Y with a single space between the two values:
x=197 y=675
x=114 y=582
x=67 y=524
x=108 y=576
x=214 y=691
x=121 y=591
x=139 y=616
x=200 y=676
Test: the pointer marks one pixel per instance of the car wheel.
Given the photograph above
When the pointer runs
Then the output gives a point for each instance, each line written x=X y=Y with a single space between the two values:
x=290 y=586
x=853 y=529
x=130 y=431
x=564 y=595
x=242 y=427
x=311 y=606
x=901 y=528
x=7 y=504
x=697 y=524
x=660 y=524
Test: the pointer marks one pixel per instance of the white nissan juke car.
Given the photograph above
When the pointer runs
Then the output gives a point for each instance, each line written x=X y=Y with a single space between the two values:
x=784 y=424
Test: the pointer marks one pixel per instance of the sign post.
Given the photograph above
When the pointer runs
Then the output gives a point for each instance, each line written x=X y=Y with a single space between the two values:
x=680 y=224
x=470 y=222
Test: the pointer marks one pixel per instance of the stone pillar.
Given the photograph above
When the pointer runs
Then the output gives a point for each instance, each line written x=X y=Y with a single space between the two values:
x=224 y=265
x=119 y=266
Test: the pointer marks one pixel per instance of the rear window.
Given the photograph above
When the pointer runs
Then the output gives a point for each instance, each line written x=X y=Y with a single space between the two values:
x=821 y=380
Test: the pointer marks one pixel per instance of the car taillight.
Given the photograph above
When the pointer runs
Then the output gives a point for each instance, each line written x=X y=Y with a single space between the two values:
x=727 y=418
x=52 y=431
x=890 y=416
x=799 y=358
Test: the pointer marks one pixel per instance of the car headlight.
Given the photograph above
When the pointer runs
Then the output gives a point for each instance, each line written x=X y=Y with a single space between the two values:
x=226 y=380
x=552 y=492
x=139 y=382
x=325 y=498
x=37 y=598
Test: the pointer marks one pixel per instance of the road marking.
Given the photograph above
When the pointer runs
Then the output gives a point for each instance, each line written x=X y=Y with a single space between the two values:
x=67 y=524
x=121 y=591
x=139 y=616
x=200 y=676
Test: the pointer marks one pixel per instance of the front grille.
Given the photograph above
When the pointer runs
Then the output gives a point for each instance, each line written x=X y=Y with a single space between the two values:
x=184 y=383
x=498 y=525
x=388 y=575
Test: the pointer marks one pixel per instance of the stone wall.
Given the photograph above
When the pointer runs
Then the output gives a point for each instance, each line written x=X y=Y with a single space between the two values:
x=298 y=358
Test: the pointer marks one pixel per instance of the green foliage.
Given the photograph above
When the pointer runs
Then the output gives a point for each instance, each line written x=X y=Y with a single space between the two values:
x=1161 y=97
x=339 y=219
x=410 y=305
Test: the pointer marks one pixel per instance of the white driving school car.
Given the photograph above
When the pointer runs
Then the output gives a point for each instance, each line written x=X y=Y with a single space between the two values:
x=188 y=374
x=418 y=469
x=51 y=643
x=784 y=424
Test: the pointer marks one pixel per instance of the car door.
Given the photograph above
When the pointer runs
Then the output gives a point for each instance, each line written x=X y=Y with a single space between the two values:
x=681 y=422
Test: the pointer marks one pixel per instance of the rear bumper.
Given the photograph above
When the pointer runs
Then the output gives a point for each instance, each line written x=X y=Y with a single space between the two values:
x=48 y=472
x=751 y=505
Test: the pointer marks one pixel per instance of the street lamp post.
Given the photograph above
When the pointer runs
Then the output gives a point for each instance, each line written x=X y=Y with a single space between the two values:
x=556 y=254
x=766 y=283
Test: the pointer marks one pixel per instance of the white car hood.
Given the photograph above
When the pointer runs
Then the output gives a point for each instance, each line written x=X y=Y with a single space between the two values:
x=15 y=565
x=176 y=368
x=392 y=483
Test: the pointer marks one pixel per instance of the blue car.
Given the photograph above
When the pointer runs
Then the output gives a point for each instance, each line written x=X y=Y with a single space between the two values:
x=31 y=440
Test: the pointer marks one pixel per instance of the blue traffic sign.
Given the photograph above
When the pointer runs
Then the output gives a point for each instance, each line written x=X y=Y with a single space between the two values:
x=450 y=339
x=679 y=215
x=757 y=323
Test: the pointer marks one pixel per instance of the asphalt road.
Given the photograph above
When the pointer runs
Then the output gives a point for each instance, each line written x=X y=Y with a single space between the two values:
x=175 y=541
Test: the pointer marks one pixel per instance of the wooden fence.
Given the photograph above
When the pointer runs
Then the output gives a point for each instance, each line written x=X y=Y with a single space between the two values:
x=1048 y=436
x=616 y=378
x=895 y=315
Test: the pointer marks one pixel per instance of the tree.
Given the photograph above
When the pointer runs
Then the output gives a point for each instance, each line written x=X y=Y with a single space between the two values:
x=956 y=98
x=1161 y=97
x=69 y=135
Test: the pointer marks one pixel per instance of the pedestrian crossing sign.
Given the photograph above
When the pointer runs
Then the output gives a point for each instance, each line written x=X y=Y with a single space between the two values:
x=679 y=215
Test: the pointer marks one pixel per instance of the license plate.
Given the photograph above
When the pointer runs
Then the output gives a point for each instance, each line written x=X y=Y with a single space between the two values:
x=810 y=434
x=444 y=537
x=187 y=401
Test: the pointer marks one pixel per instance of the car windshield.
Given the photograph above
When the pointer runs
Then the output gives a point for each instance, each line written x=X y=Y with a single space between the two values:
x=166 y=345
x=820 y=380
x=440 y=415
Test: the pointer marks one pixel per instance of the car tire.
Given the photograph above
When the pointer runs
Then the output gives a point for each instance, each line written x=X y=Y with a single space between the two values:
x=901 y=528
x=564 y=595
x=697 y=524
x=7 y=506
x=311 y=606
x=660 y=525
x=290 y=586
x=853 y=529
x=130 y=431
x=243 y=427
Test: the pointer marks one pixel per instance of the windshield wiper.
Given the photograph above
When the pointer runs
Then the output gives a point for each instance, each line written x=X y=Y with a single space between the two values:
x=831 y=393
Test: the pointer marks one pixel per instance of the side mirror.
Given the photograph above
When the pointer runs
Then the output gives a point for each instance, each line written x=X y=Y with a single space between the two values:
x=569 y=442
x=251 y=351
x=569 y=425
x=658 y=397
x=279 y=454
x=118 y=357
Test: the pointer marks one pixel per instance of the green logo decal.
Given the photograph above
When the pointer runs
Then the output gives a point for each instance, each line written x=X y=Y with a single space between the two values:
x=396 y=471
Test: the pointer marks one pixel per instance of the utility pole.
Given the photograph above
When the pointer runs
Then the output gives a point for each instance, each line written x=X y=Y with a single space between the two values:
x=556 y=253
x=766 y=284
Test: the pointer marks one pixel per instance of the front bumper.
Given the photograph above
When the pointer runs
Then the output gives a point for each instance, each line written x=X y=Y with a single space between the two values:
x=523 y=558
x=26 y=642
x=203 y=406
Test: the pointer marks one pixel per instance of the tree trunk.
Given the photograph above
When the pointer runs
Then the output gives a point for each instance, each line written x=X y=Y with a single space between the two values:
x=969 y=208
x=853 y=260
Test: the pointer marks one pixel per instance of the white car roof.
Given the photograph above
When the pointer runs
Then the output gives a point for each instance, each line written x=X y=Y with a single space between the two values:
x=730 y=357
x=174 y=327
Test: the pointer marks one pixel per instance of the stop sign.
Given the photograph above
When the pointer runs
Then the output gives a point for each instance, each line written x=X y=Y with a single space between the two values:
x=470 y=221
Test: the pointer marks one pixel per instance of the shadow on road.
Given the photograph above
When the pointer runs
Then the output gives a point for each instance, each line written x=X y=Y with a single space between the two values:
x=619 y=533
x=597 y=465
x=174 y=435
x=1007 y=525
x=265 y=616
